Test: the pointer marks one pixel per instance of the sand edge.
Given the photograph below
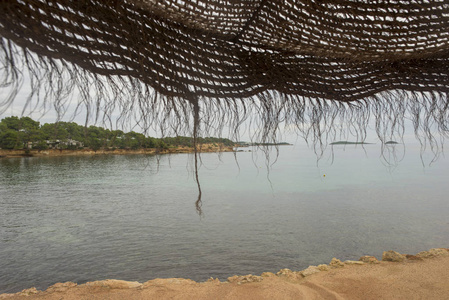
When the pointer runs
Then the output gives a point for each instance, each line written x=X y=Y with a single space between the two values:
x=110 y=287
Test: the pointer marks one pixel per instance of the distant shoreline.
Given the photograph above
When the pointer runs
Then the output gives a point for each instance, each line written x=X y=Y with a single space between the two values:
x=4 y=153
x=360 y=143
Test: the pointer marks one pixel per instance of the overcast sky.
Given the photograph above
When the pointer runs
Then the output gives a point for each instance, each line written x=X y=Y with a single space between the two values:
x=288 y=135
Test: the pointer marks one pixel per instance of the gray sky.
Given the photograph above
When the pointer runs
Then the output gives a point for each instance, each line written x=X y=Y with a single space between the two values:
x=287 y=134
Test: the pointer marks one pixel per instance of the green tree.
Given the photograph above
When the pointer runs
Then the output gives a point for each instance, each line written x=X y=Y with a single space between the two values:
x=134 y=140
x=97 y=137
x=40 y=145
x=26 y=123
x=161 y=145
x=54 y=131
x=12 y=123
x=9 y=139
x=93 y=143
x=29 y=131
x=3 y=127
x=116 y=139
x=15 y=133
x=150 y=142
x=75 y=131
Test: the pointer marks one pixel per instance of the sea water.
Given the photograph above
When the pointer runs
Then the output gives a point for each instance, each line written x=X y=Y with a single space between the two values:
x=133 y=217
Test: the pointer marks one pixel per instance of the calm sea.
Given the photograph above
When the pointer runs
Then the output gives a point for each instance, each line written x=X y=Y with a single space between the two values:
x=133 y=217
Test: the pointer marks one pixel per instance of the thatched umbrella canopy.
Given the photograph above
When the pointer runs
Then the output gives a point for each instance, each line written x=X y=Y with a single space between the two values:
x=216 y=62
x=227 y=52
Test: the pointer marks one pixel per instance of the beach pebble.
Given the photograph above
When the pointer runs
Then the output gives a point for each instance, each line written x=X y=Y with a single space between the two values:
x=310 y=270
x=369 y=259
x=289 y=274
x=336 y=263
x=413 y=257
x=268 y=274
x=245 y=279
x=28 y=292
x=433 y=253
x=216 y=280
x=323 y=267
x=284 y=272
x=354 y=262
x=393 y=256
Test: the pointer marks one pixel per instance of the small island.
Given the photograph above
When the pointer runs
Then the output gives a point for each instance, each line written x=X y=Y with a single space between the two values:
x=350 y=143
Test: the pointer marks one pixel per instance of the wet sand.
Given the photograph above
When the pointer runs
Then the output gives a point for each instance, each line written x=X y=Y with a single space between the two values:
x=421 y=276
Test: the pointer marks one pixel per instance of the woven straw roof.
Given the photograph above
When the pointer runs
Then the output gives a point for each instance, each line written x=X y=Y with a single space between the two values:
x=199 y=66
x=293 y=62
x=340 y=50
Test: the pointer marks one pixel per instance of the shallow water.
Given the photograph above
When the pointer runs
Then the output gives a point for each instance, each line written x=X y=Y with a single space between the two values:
x=133 y=217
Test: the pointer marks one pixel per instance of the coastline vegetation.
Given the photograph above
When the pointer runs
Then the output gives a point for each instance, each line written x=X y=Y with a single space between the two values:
x=25 y=133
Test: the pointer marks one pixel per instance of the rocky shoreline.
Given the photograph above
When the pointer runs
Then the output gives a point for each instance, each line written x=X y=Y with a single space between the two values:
x=321 y=282
x=89 y=152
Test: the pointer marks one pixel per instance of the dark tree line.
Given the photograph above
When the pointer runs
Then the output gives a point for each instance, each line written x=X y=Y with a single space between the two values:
x=25 y=133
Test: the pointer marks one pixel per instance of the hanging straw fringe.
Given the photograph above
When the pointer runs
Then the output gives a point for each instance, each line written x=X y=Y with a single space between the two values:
x=203 y=67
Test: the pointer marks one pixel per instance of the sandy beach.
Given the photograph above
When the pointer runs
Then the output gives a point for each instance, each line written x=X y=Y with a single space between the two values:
x=397 y=276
